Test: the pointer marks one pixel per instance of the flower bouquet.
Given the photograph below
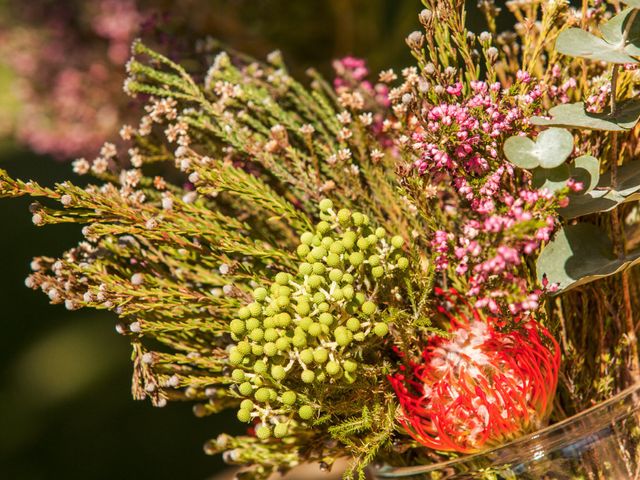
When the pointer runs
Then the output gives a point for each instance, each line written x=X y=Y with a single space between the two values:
x=410 y=271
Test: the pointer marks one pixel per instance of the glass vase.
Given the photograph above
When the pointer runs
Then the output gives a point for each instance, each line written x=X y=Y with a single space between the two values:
x=600 y=443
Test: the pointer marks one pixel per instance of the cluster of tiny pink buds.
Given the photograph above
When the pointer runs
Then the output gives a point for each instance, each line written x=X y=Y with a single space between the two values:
x=459 y=136
x=479 y=386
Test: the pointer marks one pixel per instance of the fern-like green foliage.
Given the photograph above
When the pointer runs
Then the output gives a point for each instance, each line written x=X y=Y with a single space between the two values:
x=222 y=179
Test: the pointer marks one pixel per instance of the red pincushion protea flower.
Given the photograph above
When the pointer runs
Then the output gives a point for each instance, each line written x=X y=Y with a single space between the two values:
x=480 y=387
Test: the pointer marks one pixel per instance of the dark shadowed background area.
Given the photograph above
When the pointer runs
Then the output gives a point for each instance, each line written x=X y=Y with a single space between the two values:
x=65 y=407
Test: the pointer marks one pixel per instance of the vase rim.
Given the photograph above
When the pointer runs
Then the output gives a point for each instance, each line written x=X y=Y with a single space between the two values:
x=387 y=471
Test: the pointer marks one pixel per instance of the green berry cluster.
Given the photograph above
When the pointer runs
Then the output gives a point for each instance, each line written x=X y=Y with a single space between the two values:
x=310 y=329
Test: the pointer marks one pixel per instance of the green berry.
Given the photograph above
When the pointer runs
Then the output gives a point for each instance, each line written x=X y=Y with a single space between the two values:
x=327 y=242
x=337 y=295
x=283 y=302
x=325 y=318
x=380 y=232
x=314 y=281
x=257 y=349
x=262 y=395
x=337 y=247
x=281 y=430
x=356 y=259
x=270 y=349
x=319 y=297
x=271 y=335
x=323 y=307
x=244 y=313
x=315 y=329
x=282 y=278
x=323 y=227
x=353 y=324
x=255 y=309
x=237 y=375
x=244 y=347
x=318 y=253
x=269 y=323
x=284 y=291
x=362 y=243
x=377 y=272
x=325 y=205
x=246 y=404
x=237 y=326
x=299 y=341
x=303 y=250
x=288 y=398
x=235 y=357
x=397 y=241
x=349 y=366
x=306 y=356
x=368 y=308
x=283 y=344
x=307 y=376
x=348 y=292
x=335 y=275
x=402 y=263
x=260 y=367
x=306 y=238
x=319 y=268
x=358 y=218
x=305 y=412
x=320 y=377
x=260 y=293
x=344 y=216
x=360 y=298
x=349 y=239
x=256 y=335
x=332 y=260
x=303 y=309
x=283 y=320
x=305 y=268
x=320 y=355
x=333 y=368
x=278 y=372
x=244 y=415
x=374 y=260
x=263 y=432
x=343 y=336
x=245 y=389
x=252 y=323
x=305 y=323
x=381 y=329
x=358 y=337
x=347 y=278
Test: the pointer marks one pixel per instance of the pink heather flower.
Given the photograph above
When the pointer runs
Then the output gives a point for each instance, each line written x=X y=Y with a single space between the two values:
x=479 y=387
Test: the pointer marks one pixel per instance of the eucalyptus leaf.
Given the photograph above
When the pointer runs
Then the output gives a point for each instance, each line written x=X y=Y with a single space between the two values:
x=574 y=115
x=552 y=147
x=586 y=169
x=605 y=197
x=576 y=42
x=553 y=179
x=613 y=31
x=580 y=254
x=613 y=47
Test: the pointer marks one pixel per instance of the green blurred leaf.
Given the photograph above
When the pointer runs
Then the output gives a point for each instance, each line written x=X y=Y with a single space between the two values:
x=580 y=254
x=606 y=198
x=576 y=42
x=611 y=48
x=586 y=169
x=553 y=179
x=574 y=115
x=552 y=147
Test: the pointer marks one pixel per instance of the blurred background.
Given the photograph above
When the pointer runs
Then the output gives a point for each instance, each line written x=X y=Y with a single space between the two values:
x=65 y=404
